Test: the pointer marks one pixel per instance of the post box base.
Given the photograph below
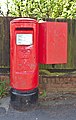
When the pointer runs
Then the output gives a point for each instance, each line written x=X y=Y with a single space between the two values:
x=21 y=100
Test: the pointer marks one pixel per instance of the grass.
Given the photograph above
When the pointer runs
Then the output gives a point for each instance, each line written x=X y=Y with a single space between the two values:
x=4 y=87
x=43 y=94
x=46 y=72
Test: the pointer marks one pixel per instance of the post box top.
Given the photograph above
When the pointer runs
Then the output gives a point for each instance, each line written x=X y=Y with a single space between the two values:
x=23 y=20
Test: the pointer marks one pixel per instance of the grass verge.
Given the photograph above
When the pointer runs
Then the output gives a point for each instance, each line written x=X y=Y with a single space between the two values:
x=4 y=88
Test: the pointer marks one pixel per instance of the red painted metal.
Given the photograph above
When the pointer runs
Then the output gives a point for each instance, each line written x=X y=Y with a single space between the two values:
x=23 y=57
x=52 y=42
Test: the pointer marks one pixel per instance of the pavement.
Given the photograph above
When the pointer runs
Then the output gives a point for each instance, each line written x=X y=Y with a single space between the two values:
x=55 y=107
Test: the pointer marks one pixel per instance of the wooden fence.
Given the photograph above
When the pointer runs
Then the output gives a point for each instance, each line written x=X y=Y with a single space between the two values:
x=5 y=49
x=4 y=41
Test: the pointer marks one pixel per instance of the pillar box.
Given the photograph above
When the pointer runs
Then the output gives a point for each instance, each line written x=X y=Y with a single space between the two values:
x=23 y=61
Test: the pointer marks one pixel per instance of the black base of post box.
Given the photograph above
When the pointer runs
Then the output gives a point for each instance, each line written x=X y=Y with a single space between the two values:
x=21 y=100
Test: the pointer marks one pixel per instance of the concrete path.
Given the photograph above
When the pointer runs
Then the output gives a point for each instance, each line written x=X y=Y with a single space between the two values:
x=61 y=107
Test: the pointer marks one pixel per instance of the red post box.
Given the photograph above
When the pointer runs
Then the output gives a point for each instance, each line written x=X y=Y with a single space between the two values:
x=52 y=42
x=23 y=61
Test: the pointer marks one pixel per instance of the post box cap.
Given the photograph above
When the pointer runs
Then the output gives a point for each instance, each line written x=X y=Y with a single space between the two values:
x=23 y=20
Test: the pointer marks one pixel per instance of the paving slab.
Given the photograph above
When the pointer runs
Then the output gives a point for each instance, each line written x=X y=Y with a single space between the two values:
x=59 y=107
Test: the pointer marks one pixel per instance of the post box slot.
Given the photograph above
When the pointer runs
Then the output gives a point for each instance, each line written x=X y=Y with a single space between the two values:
x=24 y=36
x=22 y=28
